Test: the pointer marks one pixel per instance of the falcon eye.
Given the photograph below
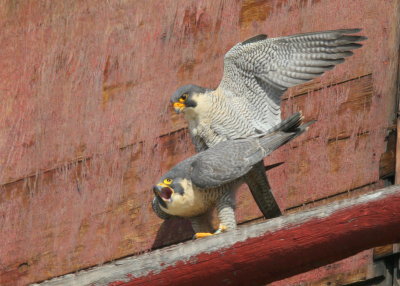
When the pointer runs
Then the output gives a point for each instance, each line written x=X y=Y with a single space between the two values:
x=167 y=181
x=183 y=97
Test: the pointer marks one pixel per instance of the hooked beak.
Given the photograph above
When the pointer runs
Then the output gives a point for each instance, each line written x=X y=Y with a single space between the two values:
x=179 y=107
x=163 y=191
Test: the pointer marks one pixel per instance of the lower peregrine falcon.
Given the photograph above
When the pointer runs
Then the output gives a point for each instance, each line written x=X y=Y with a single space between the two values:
x=247 y=101
x=209 y=179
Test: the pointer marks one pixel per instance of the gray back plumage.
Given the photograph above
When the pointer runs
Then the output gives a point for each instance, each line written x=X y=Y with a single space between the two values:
x=181 y=170
x=229 y=160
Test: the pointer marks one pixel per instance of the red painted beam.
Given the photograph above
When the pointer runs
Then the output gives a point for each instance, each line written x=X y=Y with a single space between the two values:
x=261 y=253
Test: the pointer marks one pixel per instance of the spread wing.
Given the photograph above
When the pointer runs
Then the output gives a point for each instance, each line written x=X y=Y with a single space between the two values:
x=260 y=69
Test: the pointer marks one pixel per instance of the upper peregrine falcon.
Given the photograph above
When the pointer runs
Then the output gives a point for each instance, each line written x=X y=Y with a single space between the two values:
x=247 y=101
x=208 y=179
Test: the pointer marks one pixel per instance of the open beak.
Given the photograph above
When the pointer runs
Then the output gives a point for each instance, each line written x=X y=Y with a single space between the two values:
x=163 y=191
x=179 y=107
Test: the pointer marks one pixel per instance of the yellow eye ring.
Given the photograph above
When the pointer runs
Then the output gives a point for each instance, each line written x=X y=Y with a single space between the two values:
x=183 y=97
x=167 y=181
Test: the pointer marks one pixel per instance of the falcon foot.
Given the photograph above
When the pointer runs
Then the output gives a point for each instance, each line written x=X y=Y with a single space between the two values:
x=221 y=229
x=202 y=234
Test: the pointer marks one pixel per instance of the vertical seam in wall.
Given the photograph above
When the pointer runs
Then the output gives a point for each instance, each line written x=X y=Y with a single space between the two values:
x=397 y=96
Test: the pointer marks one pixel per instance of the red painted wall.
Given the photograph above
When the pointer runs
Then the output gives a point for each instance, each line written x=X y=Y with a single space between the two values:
x=86 y=129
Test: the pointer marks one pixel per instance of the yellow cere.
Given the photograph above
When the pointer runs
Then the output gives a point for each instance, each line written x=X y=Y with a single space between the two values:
x=167 y=181
x=179 y=105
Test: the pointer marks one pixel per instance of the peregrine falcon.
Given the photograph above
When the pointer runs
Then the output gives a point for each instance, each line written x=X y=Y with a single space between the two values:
x=247 y=101
x=209 y=179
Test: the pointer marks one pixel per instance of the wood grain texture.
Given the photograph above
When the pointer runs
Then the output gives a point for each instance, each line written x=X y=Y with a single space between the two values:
x=261 y=253
x=86 y=129
x=354 y=269
x=118 y=61
x=341 y=146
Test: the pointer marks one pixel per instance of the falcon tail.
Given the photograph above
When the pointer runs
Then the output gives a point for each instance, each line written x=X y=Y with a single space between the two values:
x=283 y=132
x=256 y=178
x=289 y=124
x=257 y=181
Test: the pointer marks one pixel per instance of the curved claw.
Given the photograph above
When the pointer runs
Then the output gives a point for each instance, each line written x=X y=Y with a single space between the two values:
x=221 y=228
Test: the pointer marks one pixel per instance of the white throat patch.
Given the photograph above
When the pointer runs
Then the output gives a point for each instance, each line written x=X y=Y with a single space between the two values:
x=189 y=204
x=198 y=116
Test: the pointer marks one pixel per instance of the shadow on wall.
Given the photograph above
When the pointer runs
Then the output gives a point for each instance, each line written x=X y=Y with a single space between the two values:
x=172 y=231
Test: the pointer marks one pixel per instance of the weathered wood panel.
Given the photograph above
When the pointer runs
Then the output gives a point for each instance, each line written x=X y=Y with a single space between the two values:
x=341 y=148
x=85 y=123
x=350 y=270
x=365 y=268
x=102 y=78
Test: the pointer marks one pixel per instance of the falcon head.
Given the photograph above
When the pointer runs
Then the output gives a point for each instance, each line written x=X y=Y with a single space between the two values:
x=186 y=97
x=176 y=196
x=168 y=191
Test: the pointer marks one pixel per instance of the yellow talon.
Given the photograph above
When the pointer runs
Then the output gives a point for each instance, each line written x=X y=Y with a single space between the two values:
x=202 y=234
x=221 y=228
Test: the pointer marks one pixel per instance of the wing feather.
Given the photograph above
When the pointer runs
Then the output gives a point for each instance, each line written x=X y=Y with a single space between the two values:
x=261 y=69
